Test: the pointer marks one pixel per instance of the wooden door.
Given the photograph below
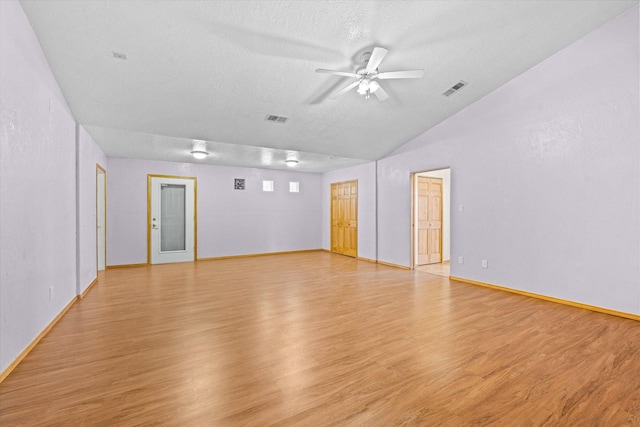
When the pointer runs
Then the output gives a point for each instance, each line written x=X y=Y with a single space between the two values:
x=344 y=218
x=429 y=220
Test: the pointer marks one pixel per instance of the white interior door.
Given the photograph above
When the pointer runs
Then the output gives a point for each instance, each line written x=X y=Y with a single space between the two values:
x=172 y=220
x=101 y=227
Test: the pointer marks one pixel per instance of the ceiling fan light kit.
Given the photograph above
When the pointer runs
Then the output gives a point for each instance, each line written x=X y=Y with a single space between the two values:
x=366 y=77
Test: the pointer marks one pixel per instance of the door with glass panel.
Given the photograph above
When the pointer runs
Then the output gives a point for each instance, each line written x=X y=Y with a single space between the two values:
x=171 y=219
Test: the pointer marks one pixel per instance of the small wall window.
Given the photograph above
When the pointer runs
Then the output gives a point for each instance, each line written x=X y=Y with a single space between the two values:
x=267 y=185
x=294 y=187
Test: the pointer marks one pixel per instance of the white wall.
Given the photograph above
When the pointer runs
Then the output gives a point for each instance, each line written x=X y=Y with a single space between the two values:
x=37 y=189
x=230 y=222
x=548 y=170
x=89 y=155
x=366 y=175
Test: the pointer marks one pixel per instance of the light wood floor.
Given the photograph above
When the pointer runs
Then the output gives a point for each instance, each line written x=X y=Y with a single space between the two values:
x=318 y=339
x=439 y=269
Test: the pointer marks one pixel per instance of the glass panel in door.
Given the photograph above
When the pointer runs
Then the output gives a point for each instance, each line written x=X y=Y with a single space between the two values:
x=172 y=217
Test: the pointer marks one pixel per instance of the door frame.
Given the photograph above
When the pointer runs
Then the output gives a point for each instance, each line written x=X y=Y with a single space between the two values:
x=103 y=171
x=414 y=190
x=195 y=212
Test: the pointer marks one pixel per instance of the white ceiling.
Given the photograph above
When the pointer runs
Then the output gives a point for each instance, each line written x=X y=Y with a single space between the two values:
x=212 y=70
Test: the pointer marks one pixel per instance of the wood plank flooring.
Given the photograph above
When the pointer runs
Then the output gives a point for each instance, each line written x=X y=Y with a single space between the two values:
x=439 y=269
x=318 y=339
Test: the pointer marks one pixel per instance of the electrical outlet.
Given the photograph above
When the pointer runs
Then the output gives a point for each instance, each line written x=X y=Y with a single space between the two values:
x=50 y=293
x=485 y=264
x=460 y=260
x=460 y=208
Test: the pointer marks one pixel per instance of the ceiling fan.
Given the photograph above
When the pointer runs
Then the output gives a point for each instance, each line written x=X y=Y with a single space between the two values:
x=366 y=77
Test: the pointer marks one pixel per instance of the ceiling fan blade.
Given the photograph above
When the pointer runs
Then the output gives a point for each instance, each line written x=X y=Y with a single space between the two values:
x=337 y=73
x=344 y=90
x=376 y=58
x=377 y=90
x=408 y=74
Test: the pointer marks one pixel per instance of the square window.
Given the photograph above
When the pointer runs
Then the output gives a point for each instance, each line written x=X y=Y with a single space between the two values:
x=294 y=187
x=267 y=185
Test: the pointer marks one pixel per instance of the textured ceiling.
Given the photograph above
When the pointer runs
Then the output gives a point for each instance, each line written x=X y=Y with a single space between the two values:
x=213 y=70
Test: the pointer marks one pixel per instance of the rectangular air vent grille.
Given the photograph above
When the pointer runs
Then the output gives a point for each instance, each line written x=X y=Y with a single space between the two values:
x=276 y=119
x=456 y=87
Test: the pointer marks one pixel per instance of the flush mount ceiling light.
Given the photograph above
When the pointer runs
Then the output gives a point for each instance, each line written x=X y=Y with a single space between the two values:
x=199 y=149
x=291 y=162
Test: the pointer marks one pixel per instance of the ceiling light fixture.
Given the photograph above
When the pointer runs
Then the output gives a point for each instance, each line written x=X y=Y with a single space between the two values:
x=367 y=86
x=291 y=162
x=199 y=149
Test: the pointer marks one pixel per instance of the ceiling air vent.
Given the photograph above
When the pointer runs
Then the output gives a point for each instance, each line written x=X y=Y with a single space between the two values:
x=456 y=87
x=276 y=119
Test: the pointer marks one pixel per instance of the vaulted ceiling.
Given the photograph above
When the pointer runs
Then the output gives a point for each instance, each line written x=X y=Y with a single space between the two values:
x=146 y=78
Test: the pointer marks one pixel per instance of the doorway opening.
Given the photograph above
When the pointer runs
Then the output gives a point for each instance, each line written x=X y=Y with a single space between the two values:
x=171 y=219
x=344 y=218
x=101 y=215
x=431 y=225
